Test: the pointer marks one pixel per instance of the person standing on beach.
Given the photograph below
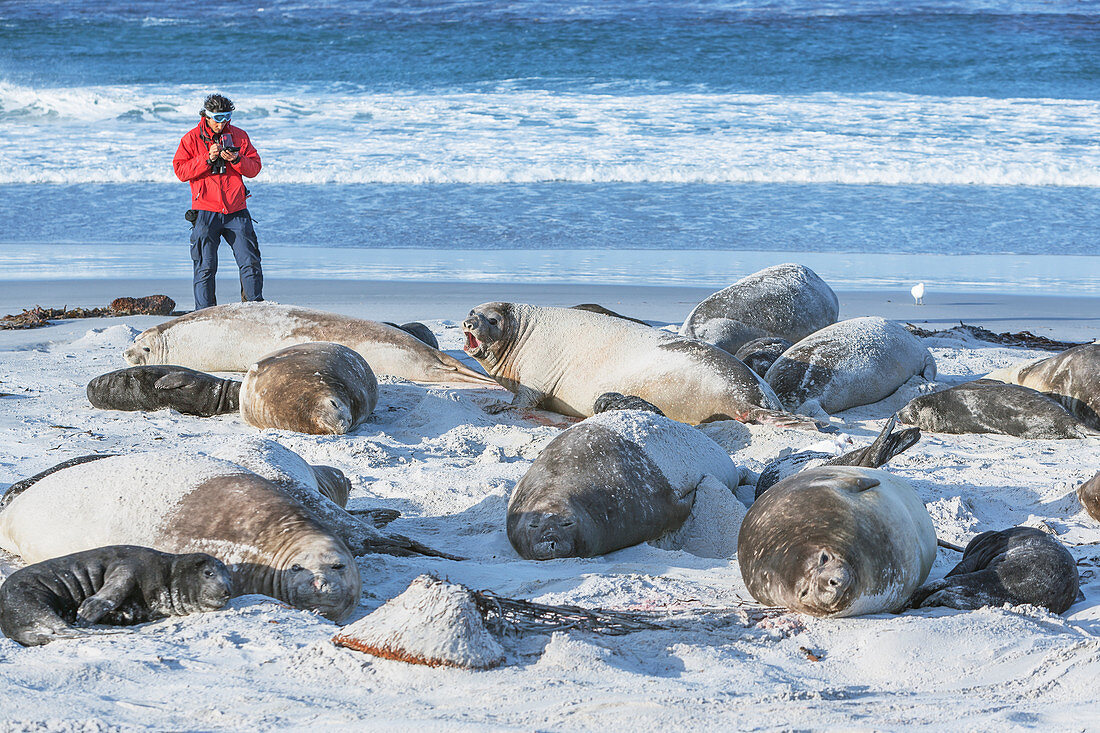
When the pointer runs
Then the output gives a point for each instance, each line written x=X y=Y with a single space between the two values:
x=213 y=157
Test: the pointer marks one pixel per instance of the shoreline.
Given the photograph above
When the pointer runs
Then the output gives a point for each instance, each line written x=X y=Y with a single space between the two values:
x=1069 y=318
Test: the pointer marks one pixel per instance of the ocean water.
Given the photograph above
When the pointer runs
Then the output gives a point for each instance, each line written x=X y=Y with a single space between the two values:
x=663 y=141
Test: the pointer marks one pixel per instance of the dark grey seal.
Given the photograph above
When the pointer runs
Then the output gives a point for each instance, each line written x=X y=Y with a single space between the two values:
x=786 y=300
x=1071 y=377
x=614 y=480
x=609 y=401
x=417 y=330
x=1089 y=495
x=155 y=387
x=1015 y=566
x=761 y=353
x=887 y=445
x=989 y=406
x=118 y=585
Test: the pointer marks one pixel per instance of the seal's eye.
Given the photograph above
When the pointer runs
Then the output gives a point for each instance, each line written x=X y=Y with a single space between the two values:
x=208 y=573
x=493 y=321
x=567 y=523
x=824 y=558
x=146 y=348
x=338 y=566
x=296 y=568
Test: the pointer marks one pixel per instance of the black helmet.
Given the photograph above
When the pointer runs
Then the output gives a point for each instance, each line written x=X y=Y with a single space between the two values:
x=216 y=103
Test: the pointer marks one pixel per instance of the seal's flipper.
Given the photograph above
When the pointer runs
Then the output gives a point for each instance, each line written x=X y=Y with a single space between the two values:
x=782 y=419
x=173 y=380
x=887 y=445
x=614 y=401
x=377 y=516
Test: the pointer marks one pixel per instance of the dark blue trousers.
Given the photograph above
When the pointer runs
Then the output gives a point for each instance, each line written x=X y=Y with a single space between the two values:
x=237 y=229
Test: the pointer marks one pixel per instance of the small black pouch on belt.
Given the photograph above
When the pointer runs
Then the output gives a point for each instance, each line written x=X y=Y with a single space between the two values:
x=191 y=215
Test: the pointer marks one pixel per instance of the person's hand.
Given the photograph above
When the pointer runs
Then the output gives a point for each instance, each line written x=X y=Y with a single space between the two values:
x=214 y=150
x=229 y=156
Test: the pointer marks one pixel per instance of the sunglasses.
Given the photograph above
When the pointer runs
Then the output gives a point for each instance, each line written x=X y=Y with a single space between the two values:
x=220 y=116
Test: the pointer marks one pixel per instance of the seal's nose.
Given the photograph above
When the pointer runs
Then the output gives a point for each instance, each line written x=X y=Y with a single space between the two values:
x=470 y=323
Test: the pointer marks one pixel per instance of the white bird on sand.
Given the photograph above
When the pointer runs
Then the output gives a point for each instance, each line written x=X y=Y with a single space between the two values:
x=918 y=293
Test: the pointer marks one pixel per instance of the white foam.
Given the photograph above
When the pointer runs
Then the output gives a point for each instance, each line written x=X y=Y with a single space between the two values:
x=524 y=136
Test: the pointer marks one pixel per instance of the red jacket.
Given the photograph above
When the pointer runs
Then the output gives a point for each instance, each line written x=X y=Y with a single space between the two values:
x=221 y=192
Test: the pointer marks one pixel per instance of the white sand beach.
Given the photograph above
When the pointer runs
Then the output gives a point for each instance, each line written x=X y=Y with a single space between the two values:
x=432 y=452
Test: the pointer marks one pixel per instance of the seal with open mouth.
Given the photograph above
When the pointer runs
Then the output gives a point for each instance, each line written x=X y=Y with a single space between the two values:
x=563 y=359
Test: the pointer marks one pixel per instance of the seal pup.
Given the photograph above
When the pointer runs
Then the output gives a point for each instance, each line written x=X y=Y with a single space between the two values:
x=119 y=585
x=786 y=300
x=181 y=503
x=887 y=445
x=1015 y=566
x=612 y=481
x=155 y=387
x=759 y=354
x=851 y=363
x=989 y=406
x=1088 y=494
x=229 y=338
x=1071 y=377
x=319 y=388
x=562 y=359
x=419 y=330
x=837 y=541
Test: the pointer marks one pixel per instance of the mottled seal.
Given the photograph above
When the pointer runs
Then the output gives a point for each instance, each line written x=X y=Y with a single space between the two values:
x=851 y=363
x=419 y=330
x=320 y=388
x=229 y=338
x=1089 y=495
x=1072 y=377
x=277 y=532
x=155 y=387
x=180 y=503
x=989 y=406
x=563 y=359
x=837 y=541
x=786 y=300
x=118 y=585
x=887 y=445
x=614 y=480
x=759 y=354
x=1014 y=566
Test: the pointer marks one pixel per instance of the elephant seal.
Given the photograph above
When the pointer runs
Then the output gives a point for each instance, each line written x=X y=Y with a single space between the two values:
x=1088 y=494
x=614 y=480
x=419 y=330
x=1071 y=377
x=155 y=387
x=788 y=300
x=759 y=354
x=180 y=503
x=229 y=338
x=887 y=445
x=320 y=388
x=119 y=585
x=1014 y=566
x=989 y=406
x=563 y=359
x=615 y=401
x=851 y=363
x=837 y=541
